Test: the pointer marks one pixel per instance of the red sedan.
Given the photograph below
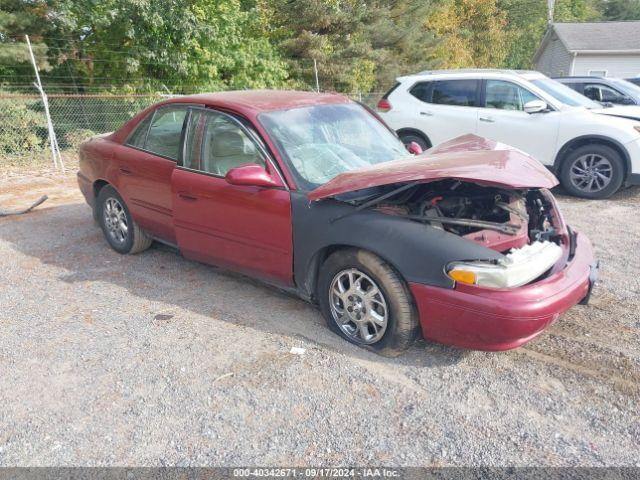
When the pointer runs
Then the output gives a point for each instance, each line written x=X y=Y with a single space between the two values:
x=313 y=193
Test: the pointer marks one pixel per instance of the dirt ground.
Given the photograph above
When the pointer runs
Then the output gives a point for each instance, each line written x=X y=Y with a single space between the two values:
x=155 y=360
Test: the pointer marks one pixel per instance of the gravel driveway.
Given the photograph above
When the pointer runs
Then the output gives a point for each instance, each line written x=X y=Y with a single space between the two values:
x=155 y=360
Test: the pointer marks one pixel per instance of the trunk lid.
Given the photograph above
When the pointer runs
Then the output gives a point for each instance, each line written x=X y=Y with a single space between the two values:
x=467 y=158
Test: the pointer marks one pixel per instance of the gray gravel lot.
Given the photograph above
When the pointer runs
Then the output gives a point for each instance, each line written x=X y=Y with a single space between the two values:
x=155 y=360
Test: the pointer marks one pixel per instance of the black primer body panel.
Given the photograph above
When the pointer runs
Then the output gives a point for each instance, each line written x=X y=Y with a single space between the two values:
x=419 y=252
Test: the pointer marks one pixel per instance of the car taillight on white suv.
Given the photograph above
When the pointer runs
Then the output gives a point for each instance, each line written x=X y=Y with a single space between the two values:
x=384 y=105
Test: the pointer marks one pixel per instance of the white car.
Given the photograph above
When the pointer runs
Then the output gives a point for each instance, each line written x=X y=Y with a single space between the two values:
x=593 y=150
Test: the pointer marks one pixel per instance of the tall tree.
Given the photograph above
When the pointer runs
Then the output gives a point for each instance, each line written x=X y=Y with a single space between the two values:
x=17 y=19
x=208 y=44
x=527 y=24
x=620 y=9
x=472 y=33
x=357 y=46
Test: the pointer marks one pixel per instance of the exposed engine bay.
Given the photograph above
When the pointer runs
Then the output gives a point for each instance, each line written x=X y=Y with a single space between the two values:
x=497 y=218
x=521 y=224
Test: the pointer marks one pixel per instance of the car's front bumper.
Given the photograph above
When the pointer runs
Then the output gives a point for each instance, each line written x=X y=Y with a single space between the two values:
x=479 y=318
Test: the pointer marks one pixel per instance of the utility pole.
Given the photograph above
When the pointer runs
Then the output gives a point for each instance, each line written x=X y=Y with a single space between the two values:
x=550 y=6
x=53 y=141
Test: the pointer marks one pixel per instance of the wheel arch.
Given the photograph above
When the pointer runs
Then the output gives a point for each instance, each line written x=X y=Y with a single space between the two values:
x=99 y=185
x=592 y=139
x=414 y=131
x=316 y=261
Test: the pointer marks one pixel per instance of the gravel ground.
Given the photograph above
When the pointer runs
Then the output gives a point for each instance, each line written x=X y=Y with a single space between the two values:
x=155 y=360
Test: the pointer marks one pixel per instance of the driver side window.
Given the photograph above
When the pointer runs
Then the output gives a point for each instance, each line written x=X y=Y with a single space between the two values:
x=215 y=144
x=507 y=96
x=602 y=93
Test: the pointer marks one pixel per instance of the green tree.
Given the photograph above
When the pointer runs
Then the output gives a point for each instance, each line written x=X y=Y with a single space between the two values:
x=358 y=46
x=620 y=9
x=527 y=24
x=211 y=44
x=17 y=19
x=471 y=32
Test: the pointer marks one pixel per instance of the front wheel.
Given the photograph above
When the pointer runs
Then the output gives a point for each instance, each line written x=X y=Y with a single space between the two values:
x=592 y=171
x=365 y=301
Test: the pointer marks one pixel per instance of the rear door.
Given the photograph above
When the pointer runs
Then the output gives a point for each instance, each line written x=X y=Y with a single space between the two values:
x=145 y=164
x=243 y=228
x=503 y=119
x=445 y=109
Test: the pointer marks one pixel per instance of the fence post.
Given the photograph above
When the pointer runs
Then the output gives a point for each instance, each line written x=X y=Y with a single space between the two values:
x=53 y=141
x=315 y=70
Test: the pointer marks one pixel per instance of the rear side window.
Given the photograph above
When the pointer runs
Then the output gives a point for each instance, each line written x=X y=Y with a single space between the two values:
x=165 y=132
x=422 y=91
x=461 y=93
x=160 y=132
x=139 y=135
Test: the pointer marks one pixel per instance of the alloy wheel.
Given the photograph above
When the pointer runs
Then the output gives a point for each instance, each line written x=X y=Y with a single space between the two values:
x=591 y=173
x=115 y=220
x=358 y=306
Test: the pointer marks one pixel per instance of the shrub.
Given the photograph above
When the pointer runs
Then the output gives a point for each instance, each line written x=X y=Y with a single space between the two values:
x=22 y=130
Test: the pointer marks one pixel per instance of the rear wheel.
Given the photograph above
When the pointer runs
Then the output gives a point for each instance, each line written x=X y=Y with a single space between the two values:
x=365 y=301
x=592 y=171
x=122 y=233
x=407 y=138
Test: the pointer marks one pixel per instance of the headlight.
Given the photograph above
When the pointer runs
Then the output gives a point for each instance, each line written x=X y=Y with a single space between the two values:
x=519 y=267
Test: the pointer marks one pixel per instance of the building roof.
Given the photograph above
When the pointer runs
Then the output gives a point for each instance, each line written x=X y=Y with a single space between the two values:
x=595 y=37
x=602 y=36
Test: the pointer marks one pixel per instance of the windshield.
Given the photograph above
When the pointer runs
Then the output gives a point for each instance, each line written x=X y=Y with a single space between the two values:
x=627 y=87
x=564 y=94
x=322 y=141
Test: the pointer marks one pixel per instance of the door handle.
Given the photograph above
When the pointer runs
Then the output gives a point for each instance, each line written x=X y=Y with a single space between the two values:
x=426 y=114
x=125 y=171
x=187 y=196
x=487 y=119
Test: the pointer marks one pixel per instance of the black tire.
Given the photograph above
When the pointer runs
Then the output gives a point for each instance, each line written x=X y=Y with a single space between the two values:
x=407 y=138
x=135 y=240
x=572 y=164
x=402 y=325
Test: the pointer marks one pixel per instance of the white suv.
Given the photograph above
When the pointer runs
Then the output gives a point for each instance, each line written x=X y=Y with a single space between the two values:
x=594 y=151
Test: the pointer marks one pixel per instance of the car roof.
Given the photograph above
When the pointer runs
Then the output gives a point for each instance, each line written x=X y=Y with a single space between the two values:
x=472 y=73
x=262 y=100
x=585 y=77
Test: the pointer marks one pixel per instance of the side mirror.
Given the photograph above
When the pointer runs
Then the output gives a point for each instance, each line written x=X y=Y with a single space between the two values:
x=535 y=106
x=414 y=148
x=251 y=175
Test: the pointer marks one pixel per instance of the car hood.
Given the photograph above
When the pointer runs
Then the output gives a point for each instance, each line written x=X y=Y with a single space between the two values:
x=623 y=111
x=468 y=158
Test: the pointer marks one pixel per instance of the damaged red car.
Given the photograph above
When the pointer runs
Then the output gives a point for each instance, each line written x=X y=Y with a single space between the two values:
x=463 y=243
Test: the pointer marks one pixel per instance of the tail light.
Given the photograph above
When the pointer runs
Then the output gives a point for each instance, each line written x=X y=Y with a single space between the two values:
x=384 y=105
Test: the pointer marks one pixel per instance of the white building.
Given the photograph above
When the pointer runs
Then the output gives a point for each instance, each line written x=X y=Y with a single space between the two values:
x=606 y=49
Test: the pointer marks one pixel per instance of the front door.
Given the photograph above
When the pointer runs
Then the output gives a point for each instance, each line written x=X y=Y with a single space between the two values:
x=243 y=228
x=503 y=119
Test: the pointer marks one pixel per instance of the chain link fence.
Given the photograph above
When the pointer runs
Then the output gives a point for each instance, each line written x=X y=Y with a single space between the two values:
x=24 y=137
x=23 y=126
